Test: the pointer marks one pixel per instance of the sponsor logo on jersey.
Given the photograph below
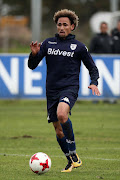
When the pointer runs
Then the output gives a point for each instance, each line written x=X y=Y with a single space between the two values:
x=59 y=52
x=73 y=46
x=50 y=42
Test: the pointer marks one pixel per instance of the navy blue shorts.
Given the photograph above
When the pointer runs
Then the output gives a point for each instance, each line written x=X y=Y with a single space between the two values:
x=68 y=96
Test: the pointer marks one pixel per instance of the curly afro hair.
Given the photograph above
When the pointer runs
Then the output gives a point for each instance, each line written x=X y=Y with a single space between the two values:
x=66 y=13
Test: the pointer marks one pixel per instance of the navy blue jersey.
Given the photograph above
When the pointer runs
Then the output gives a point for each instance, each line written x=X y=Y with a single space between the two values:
x=63 y=59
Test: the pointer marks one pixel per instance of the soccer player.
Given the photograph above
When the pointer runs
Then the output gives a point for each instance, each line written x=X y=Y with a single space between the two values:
x=63 y=58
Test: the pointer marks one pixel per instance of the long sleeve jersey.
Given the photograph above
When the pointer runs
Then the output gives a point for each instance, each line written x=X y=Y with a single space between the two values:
x=63 y=59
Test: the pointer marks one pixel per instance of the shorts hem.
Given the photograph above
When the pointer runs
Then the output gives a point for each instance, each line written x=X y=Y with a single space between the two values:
x=50 y=121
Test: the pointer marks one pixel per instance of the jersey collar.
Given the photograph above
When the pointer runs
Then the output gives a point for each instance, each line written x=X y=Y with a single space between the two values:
x=70 y=36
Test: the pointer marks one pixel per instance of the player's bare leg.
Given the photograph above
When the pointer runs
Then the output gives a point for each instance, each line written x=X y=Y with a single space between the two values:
x=66 y=128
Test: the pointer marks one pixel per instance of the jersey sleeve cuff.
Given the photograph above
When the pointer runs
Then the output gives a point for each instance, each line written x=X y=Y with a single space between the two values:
x=94 y=82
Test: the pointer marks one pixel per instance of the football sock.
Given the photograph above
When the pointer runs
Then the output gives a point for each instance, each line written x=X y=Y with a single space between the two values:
x=64 y=145
x=68 y=132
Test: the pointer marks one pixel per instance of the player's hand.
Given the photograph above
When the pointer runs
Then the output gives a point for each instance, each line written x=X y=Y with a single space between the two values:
x=94 y=89
x=35 y=47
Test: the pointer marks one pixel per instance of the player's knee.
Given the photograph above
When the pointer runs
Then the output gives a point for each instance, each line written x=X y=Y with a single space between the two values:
x=62 y=117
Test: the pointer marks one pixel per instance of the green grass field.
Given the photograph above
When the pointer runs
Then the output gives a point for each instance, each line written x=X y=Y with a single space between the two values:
x=24 y=131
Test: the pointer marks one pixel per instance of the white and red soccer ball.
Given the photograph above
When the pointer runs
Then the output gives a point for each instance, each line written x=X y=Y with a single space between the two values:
x=40 y=163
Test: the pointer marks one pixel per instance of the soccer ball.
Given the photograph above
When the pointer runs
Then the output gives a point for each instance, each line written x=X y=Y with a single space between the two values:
x=40 y=163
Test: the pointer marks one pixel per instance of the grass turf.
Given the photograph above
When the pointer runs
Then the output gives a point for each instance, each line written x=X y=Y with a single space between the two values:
x=24 y=131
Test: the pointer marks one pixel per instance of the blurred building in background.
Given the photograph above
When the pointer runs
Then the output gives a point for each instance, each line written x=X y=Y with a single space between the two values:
x=21 y=20
x=16 y=20
x=12 y=28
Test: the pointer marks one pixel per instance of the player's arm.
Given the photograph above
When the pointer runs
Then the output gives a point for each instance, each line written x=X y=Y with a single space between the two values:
x=35 y=47
x=94 y=89
x=93 y=71
x=36 y=55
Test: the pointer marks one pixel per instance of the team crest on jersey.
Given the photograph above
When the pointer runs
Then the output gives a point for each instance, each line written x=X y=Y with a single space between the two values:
x=73 y=46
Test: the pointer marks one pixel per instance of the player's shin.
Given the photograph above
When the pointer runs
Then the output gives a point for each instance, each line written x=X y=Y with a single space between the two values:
x=68 y=132
x=64 y=145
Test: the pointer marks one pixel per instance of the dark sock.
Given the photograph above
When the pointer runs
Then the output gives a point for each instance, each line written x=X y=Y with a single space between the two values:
x=68 y=132
x=64 y=145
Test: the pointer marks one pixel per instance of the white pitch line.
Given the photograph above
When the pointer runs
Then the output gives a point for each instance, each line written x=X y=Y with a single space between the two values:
x=92 y=158
x=79 y=148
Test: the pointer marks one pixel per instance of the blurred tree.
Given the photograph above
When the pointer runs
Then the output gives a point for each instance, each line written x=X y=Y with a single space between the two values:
x=83 y=8
x=18 y=7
